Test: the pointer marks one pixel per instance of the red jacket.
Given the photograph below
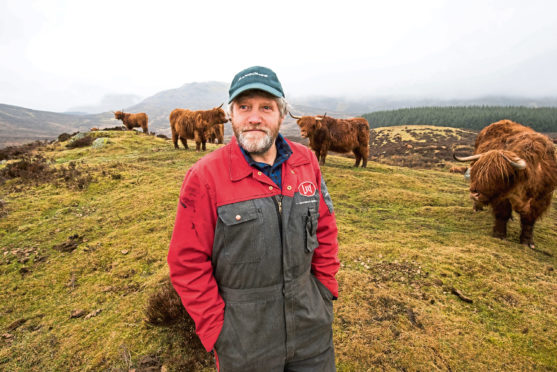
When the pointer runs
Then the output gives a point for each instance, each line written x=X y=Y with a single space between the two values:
x=223 y=178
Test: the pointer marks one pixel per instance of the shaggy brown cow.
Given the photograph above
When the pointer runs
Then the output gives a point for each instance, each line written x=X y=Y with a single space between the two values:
x=514 y=168
x=131 y=121
x=340 y=135
x=186 y=124
x=216 y=134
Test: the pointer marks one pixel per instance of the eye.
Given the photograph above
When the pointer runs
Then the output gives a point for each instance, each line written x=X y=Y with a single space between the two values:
x=243 y=107
x=267 y=108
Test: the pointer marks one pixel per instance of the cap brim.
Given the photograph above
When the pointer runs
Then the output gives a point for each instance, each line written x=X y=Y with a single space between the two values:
x=259 y=86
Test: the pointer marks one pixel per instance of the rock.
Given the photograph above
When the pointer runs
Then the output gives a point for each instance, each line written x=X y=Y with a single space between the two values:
x=78 y=136
x=100 y=142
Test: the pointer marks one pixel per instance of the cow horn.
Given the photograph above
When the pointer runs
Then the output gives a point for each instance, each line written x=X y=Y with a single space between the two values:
x=294 y=117
x=221 y=105
x=467 y=158
x=318 y=118
x=519 y=164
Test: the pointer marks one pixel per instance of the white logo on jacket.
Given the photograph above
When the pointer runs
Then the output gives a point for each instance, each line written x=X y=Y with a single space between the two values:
x=307 y=188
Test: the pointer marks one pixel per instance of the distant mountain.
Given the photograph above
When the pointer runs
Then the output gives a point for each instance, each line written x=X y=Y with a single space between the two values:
x=110 y=102
x=19 y=125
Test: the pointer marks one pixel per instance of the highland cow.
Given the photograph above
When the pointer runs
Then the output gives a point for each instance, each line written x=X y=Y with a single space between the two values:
x=340 y=135
x=186 y=124
x=130 y=121
x=514 y=168
x=216 y=134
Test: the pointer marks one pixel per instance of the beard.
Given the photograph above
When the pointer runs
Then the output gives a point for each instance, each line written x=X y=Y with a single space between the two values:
x=255 y=144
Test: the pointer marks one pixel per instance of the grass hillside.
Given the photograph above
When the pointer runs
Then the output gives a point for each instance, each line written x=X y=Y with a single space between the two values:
x=419 y=146
x=84 y=234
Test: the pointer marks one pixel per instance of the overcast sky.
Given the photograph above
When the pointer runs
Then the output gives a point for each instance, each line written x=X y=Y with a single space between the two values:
x=57 y=54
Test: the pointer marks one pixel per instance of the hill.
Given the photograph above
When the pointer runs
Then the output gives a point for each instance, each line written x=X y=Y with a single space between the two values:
x=541 y=119
x=419 y=146
x=423 y=286
x=19 y=125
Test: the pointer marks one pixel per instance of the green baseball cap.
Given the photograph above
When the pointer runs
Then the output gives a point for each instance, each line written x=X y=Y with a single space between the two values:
x=256 y=77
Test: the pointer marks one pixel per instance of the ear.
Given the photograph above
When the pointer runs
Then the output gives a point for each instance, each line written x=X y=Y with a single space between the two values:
x=318 y=124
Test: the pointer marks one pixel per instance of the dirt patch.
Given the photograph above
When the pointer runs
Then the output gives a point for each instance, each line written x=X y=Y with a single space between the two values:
x=387 y=308
x=69 y=245
x=22 y=255
x=420 y=147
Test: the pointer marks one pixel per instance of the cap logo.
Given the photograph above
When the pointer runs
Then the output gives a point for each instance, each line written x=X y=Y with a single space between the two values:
x=307 y=188
x=253 y=73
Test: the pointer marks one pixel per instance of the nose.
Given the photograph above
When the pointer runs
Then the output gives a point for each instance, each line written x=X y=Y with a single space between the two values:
x=254 y=118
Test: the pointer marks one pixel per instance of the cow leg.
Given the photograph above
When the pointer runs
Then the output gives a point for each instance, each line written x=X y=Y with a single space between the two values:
x=198 y=138
x=323 y=150
x=365 y=155
x=502 y=211
x=527 y=232
x=175 y=139
x=184 y=141
x=358 y=157
x=317 y=155
x=323 y=157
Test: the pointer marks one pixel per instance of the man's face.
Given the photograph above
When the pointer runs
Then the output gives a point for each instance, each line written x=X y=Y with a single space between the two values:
x=256 y=122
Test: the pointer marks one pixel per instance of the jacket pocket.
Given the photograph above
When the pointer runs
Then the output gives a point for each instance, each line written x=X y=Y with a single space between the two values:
x=243 y=232
x=253 y=333
x=311 y=230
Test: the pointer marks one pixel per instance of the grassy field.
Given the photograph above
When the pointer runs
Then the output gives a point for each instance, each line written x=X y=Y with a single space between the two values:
x=423 y=286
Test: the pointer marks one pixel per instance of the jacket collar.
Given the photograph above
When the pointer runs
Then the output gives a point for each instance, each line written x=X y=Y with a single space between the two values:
x=239 y=167
x=298 y=157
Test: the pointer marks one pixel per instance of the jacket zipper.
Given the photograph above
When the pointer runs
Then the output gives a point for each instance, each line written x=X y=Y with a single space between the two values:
x=278 y=207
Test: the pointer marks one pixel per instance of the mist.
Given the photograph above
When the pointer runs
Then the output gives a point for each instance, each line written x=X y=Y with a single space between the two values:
x=60 y=55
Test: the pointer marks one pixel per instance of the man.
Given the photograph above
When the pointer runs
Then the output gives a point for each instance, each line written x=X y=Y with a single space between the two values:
x=253 y=254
